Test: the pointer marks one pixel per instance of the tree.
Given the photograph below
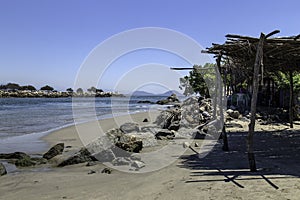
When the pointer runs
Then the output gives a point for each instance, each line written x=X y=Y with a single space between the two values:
x=70 y=90
x=92 y=89
x=79 y=91
x=47 y=88
x=28 y=87
x=13 y=86
x=198 y=80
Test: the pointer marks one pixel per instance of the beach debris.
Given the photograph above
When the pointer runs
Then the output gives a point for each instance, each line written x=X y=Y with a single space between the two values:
x=129 y=127
x=138 y=164
x=54 y=151
x=106 y=170
x=2 y=170
x=164 y=134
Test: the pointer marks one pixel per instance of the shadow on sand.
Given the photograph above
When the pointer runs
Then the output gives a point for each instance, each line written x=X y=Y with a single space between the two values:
x=277 y=157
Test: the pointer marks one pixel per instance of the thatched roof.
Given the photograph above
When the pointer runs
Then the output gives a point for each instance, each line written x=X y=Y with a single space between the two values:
x=280 y=54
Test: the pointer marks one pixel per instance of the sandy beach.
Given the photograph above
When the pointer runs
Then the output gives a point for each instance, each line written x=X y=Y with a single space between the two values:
x=219 y=175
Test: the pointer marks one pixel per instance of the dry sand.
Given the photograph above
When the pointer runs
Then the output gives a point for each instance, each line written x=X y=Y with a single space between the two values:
x=220 y=175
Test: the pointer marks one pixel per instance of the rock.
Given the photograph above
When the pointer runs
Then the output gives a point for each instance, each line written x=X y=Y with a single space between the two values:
x=121 y=161
x=185 y=144
x=80 y=157
x=169 y=100
x=196 y=144
x=2 y=170
x=54 y=151
x=129 y=127
x=132 y=146
x=147 y=138
x=138 y=164
x=233 y=113
x=146 y=101
x=105 y=155
x=174 y=126
x=39 y=161
x=25 y=162
x=15 y=155
x=164 y=134
x=145 y=120
x=92 y=172
x=167 y=117
x=135 y=156
x=106 y=171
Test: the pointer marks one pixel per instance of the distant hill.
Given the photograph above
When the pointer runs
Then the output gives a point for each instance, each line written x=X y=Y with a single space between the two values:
x=142 y=93
x=169 y=93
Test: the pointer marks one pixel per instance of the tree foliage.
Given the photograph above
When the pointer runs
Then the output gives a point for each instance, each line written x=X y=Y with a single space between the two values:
x=47 y=88
x=199 y=81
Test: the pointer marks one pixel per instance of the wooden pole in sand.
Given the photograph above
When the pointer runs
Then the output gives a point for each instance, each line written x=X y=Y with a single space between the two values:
x=257 y=65
x=224 y=134
x=291 y=106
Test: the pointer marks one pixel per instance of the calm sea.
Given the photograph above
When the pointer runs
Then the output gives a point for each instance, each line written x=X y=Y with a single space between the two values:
x=24 y=120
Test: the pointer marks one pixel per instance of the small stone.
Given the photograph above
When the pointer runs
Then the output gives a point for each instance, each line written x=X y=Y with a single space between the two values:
x=196 y=144
x=185 y=144
x=91 y=172
x=145 y=120
x=138 y=164
x=106 y=171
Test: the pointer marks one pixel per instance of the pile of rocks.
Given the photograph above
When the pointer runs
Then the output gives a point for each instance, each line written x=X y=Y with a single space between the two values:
x=169 y=100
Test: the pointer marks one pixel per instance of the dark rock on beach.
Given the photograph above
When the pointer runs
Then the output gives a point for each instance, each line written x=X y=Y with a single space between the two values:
x=54 y=151
x=80 y=157
x=164 y=134
x=15 y=155
x=2 y=170
x=129 y=127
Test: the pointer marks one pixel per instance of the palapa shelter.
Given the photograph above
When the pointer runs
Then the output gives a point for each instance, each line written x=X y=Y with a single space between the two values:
x=255 y=57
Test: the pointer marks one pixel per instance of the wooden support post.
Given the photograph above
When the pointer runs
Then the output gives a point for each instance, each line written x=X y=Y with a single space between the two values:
x=219 y=79
x=257 y=65
x=291 y=104
x=215 y=97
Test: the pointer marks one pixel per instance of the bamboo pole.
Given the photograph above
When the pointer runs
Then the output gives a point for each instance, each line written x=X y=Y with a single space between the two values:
x=257 y=64
x=291 y=106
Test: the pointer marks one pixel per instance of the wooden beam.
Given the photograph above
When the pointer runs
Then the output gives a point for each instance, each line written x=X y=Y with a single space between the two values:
x=291 y=104
x=257 y=64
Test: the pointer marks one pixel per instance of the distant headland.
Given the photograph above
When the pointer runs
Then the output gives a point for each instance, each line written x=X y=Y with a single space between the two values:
x=29 y=91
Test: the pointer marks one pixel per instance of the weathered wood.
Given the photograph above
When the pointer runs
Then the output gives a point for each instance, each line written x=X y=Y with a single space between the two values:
x=224 y=134
x=257 y=64
x=291 y=106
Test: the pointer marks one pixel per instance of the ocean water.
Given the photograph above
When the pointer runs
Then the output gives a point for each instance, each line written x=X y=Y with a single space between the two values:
x=24 y=120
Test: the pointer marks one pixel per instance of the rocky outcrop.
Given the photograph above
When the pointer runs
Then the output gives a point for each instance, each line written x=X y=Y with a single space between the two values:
x=129 y=127
x=54 y=151
x=2 y=170
x=164 y=134
x=15 y=155
x=169 y=100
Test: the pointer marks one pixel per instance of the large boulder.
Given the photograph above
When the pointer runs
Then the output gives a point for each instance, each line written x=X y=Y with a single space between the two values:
x=2 y=170
x=129 y=127
x=25 y=162
x=54 y=151
x=169 y=119
x=80 y=157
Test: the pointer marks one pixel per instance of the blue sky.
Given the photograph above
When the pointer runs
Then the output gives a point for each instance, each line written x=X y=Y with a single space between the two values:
x=46 y=41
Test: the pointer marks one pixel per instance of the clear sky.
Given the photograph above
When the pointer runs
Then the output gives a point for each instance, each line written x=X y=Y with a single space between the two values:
x=46 y=41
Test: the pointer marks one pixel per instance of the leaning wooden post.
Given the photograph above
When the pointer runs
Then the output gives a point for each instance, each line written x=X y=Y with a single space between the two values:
x=257 y=65
x=224 y=134
x=291 y=104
